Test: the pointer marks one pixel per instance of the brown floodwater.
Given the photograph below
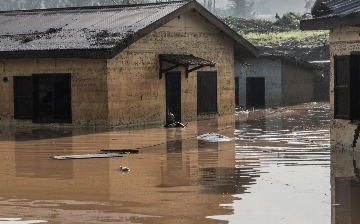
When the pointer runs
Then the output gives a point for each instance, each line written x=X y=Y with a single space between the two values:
x=263 y=166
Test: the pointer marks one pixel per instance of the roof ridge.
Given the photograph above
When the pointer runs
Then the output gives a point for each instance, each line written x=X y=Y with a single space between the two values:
x=95 y=7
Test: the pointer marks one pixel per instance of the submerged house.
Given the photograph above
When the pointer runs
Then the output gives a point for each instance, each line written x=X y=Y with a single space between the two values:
x=116 y=66
x=341 y=18
x=274 y=80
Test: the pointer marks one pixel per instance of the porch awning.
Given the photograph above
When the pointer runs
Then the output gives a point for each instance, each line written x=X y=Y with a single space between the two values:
x=184 y=61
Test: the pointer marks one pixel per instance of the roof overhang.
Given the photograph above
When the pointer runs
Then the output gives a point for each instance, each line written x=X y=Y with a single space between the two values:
x=329 y=23
x=182 y=60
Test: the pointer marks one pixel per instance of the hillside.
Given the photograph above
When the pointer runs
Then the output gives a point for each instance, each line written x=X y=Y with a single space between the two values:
x=282 y=36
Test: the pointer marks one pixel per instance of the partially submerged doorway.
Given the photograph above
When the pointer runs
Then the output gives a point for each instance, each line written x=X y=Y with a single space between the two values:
x=255 y=91
x=173 y=94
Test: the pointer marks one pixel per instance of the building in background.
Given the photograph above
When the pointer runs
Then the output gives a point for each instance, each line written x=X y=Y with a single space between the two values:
x=275 y=80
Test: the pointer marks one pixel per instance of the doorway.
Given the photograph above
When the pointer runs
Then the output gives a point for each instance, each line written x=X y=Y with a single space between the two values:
x=237 y=91
x=173 y=94
x=255 y=91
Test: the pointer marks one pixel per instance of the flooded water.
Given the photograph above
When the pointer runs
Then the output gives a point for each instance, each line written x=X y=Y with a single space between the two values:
x=262 y=166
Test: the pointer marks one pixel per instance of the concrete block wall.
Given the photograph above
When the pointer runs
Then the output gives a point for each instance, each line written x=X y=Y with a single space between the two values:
x=297 y=85
x=88 y=84
x=137 y=95
x=126 y=90
x=342 y=42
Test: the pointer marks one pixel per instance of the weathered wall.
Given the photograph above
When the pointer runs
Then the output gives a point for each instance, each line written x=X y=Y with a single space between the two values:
x=270 y=69
x=137 y=95
x=342 y=42
x=126 y=90
x=297 y=85
x=88 y=84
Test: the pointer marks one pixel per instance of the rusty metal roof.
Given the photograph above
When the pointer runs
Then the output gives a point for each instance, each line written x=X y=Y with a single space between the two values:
x=329 y=14
x=93 y=32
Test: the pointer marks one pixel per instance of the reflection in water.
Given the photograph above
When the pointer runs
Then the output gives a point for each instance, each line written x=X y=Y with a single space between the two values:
x=288 y=151
x=175 y=177
x=345 y=189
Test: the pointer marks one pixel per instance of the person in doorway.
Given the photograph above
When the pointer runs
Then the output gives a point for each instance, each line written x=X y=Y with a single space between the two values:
x=171 y=123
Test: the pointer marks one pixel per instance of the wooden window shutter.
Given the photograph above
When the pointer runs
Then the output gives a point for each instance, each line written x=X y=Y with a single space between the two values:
x=354 y=87
x=207 y=92
x=23 y=97
x=342 y=87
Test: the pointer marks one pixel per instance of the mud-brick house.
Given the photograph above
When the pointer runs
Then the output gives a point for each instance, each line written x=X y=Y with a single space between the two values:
x=342 y=19
x=274 y=80
x=116 y=66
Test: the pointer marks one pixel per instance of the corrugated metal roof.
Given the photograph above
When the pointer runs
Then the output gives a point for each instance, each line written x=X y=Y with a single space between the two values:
x=95 y=32
x=333 y=8
x=77 y=28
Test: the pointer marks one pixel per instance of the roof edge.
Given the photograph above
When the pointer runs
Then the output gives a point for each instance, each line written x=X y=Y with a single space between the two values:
x=328 y=23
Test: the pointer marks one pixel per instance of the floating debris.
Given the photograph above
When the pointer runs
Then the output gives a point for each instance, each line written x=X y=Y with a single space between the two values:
x=124 y=169
x=87 y=156
x=214 y=137
x=120 y=151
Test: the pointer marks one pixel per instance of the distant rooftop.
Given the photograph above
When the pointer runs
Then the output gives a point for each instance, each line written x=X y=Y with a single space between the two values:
x=329 y=14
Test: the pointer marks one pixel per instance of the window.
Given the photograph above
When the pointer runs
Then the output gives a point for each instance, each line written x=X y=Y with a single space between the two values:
x=44 y=98
x=346 y=87
x=206 y=92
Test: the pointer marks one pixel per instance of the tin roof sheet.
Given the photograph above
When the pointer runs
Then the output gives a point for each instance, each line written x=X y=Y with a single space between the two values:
x=95 y=32
x=77 y=28
x=332 y=8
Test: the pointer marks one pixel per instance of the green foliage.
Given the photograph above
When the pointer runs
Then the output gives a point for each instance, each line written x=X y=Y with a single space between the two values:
x=283 y=32
x=290 y=20
x=242 y=8
x=293 y=38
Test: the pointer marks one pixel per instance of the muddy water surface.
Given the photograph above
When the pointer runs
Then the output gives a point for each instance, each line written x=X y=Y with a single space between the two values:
x=266 y=166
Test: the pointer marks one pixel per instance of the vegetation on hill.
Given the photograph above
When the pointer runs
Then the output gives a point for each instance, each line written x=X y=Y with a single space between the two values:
x=282 y=36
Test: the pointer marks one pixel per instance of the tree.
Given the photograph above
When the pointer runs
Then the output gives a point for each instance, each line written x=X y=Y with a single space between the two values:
x=309 y=4
x=242 y=8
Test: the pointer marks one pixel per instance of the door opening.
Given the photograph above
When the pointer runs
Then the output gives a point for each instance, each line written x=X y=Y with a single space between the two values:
x=173 y=94
x=255 y=91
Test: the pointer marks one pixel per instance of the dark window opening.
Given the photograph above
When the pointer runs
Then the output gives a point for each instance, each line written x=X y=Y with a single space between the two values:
x=23 y=97
x=346 y=83
x=45 y=98
x=207 y=92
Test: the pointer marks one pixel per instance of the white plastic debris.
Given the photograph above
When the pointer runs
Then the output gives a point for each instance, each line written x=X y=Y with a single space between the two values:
x=214 y=137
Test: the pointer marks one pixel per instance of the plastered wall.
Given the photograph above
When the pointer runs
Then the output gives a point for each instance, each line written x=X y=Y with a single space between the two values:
x=270 y=69
x=126 y=90
x=137 y=95
x=297 y=85
x=342 y=42
x=88 y=88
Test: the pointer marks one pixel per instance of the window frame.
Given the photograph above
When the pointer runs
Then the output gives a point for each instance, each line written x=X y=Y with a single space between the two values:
x=346 y=83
